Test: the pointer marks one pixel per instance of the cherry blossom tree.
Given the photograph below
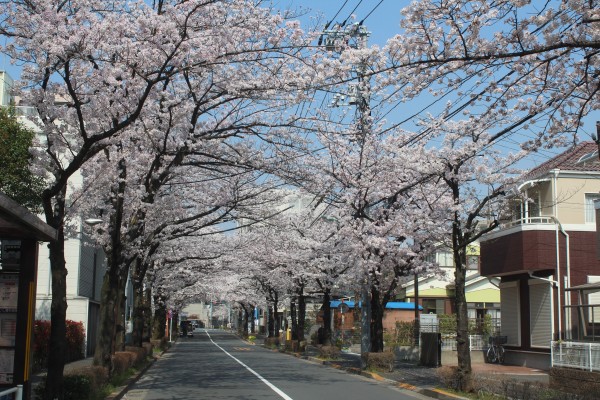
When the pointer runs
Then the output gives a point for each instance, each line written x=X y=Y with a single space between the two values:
x=79 y=58
x=512 y=73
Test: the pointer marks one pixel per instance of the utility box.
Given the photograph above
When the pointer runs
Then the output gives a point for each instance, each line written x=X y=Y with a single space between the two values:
x=431 y=349
x=20 y=233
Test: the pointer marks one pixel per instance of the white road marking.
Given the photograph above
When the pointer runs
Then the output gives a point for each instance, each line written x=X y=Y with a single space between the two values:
x=266 y=382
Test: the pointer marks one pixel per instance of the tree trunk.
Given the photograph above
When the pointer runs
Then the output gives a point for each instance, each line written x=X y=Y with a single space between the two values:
x=244 y=320
x=377 y=309
x=326 y=336
x=301 y=316
x=58 y=308
x=147 y=315
x=160 y=319
x=120 y=312
x=294 y=317
x=459 y=254
x=110 y=285
x=276 y=324
x=464 y=375
x=108 y=297
x=137 y=314
x=270 y=322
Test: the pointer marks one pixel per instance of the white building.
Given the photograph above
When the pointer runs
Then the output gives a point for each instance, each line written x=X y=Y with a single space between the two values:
x=85 y=263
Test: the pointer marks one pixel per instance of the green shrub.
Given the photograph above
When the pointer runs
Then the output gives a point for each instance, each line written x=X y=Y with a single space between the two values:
x=122 y=361
x=272 y=342
x=75 y=341
x=160 y=344
x=41 y=338
x=476 y=327
x=140 y=354
x=77 y=387
x=381 y=361
x=148 y=347
x=41 y=343
x=447 y=323
x=404 y=334
x=329 y=352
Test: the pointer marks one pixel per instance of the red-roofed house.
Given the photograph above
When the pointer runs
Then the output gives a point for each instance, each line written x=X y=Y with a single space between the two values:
x=547 y=246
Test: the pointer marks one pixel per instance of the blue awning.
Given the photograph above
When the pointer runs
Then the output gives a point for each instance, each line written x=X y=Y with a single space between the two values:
x=392 y=305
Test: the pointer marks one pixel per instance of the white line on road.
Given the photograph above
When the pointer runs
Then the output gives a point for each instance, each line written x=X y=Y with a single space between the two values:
x=266 y=382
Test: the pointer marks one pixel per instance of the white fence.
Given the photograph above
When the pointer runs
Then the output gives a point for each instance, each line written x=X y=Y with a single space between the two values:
x=576 y=355
x=477 y=342
x=18 y=392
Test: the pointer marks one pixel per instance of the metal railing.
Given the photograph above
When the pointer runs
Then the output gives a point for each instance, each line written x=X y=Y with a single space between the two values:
x=529 y=220
x=578 y=355
x=18 y=390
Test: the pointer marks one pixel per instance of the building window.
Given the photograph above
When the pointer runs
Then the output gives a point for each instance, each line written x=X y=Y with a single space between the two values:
x=445 y=259
x=473 y=262
x=590 y=212
x=433 y=306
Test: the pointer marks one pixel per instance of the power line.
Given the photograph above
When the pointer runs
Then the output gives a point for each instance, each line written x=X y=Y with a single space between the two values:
x=371 y=12
x=336 y=14
x=351 y=12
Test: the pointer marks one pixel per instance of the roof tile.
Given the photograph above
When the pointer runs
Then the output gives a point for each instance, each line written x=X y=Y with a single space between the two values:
x=572 y=160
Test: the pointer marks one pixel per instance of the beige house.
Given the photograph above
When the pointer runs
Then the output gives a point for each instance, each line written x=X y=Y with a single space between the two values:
x=545 y=248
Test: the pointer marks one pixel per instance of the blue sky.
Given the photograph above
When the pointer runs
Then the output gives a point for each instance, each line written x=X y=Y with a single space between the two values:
x=382 y=20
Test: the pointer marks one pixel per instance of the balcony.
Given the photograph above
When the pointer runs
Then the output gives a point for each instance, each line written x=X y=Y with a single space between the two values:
x=542 y=220
x=520 y=246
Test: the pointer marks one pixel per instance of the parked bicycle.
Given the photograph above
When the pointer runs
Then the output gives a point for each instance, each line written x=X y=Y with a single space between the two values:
x=495 y=353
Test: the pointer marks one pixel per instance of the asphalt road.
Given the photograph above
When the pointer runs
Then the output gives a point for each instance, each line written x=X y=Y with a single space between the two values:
x=217 y=365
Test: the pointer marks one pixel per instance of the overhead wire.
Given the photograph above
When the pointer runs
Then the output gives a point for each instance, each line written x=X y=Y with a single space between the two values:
x=351 y=12
x=371 y=12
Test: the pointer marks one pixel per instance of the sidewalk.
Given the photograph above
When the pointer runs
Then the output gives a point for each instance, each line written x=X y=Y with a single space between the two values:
x=425 y=380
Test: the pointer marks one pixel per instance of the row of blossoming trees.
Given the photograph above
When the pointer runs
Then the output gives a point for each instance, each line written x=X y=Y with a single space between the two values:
x=184 y=117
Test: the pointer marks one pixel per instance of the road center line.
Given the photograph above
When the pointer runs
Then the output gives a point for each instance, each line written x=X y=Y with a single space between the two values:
x=266 y=382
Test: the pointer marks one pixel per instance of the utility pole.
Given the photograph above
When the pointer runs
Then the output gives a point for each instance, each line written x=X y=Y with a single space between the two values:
x=356 y=36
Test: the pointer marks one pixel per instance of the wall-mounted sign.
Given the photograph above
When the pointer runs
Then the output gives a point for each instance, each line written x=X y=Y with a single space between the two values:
x=10 y=254
x=9 y=292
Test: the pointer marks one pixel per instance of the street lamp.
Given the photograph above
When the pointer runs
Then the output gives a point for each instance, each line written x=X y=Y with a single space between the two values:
x=93 y=221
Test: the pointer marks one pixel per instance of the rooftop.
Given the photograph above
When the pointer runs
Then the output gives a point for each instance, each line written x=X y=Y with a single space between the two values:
x=581 y=157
